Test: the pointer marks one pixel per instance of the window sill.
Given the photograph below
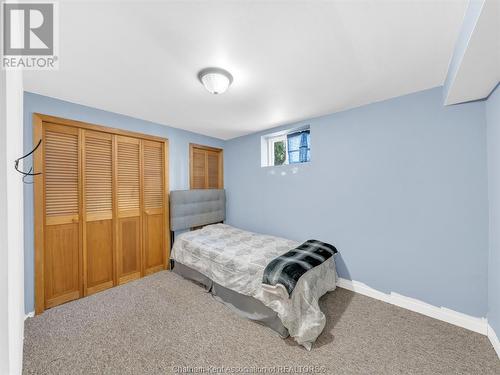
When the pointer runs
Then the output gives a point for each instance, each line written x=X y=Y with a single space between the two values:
x=293 y=165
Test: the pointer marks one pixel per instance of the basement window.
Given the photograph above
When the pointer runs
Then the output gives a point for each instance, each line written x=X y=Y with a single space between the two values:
x=288 y=147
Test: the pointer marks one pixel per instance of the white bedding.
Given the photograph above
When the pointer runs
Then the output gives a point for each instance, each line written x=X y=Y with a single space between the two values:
x=236 y=259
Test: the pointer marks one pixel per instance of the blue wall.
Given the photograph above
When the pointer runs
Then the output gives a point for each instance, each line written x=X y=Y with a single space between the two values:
x=400 y=187
x=493 y=125
x=178 y=155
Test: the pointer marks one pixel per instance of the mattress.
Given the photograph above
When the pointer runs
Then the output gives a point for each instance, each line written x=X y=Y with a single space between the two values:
x=236 y=259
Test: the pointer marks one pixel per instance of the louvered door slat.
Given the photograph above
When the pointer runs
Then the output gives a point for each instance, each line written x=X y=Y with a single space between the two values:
x=128 y=176
x=61 y=173
x=153 y=175
x=98 y=173
x=198 y=172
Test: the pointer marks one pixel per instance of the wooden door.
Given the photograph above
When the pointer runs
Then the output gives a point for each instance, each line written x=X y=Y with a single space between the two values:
x=101 y=208
x=206 y=167
x=154 y=207
x=214 y=169
x=198 y=170
x=128 y=196
x=62 y=225
x=98 y=243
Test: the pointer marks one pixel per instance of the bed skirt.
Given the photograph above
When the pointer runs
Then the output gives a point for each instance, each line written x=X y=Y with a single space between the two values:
x=245 y=306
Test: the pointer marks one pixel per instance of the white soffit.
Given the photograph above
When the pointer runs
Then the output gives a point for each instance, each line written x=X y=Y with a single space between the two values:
x=479 y=66
x=291 y=60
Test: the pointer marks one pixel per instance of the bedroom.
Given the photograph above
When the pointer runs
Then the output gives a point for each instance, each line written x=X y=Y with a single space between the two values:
x=158 y=195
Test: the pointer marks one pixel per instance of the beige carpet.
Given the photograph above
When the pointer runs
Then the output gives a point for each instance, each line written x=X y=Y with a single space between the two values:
x=163 y=324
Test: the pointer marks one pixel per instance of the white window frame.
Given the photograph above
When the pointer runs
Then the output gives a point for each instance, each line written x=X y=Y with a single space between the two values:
x=270 y=149
x=267 y=146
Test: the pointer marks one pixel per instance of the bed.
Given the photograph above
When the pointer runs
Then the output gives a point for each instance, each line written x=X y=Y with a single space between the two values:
x=230 y=263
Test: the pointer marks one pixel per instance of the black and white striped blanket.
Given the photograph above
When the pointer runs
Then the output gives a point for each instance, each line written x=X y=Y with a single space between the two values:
x=289 y=267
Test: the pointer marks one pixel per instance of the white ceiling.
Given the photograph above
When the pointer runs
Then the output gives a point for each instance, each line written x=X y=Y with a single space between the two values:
x=291 y=60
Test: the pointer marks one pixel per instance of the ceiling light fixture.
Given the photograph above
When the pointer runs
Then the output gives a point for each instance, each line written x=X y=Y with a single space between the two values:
x=215 y=80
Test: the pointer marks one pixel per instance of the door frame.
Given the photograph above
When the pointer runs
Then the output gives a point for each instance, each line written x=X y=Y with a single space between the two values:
x=39 y=194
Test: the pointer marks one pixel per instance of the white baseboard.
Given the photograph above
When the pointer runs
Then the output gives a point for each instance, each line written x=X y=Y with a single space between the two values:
x=479 y=325
x=494 y=340
x=29 y=315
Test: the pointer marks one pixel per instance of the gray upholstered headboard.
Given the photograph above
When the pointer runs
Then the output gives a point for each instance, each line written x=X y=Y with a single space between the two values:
x=192 y=208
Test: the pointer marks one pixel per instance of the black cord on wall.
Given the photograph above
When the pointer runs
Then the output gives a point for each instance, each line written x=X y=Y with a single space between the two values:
x=30 y=172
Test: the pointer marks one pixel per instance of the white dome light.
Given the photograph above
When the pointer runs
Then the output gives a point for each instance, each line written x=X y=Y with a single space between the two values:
x=215 y=80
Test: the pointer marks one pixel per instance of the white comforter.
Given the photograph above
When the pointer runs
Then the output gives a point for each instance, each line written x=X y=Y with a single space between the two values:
x=236 y=259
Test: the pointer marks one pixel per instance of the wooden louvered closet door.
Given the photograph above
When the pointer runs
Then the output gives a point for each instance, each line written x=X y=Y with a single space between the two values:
x=154 y=203
x=101 y=208
x=62 y=261
x=213 y=167
x=198 y=169
x=206 y=167
x=98 y=244
x=128 y=191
